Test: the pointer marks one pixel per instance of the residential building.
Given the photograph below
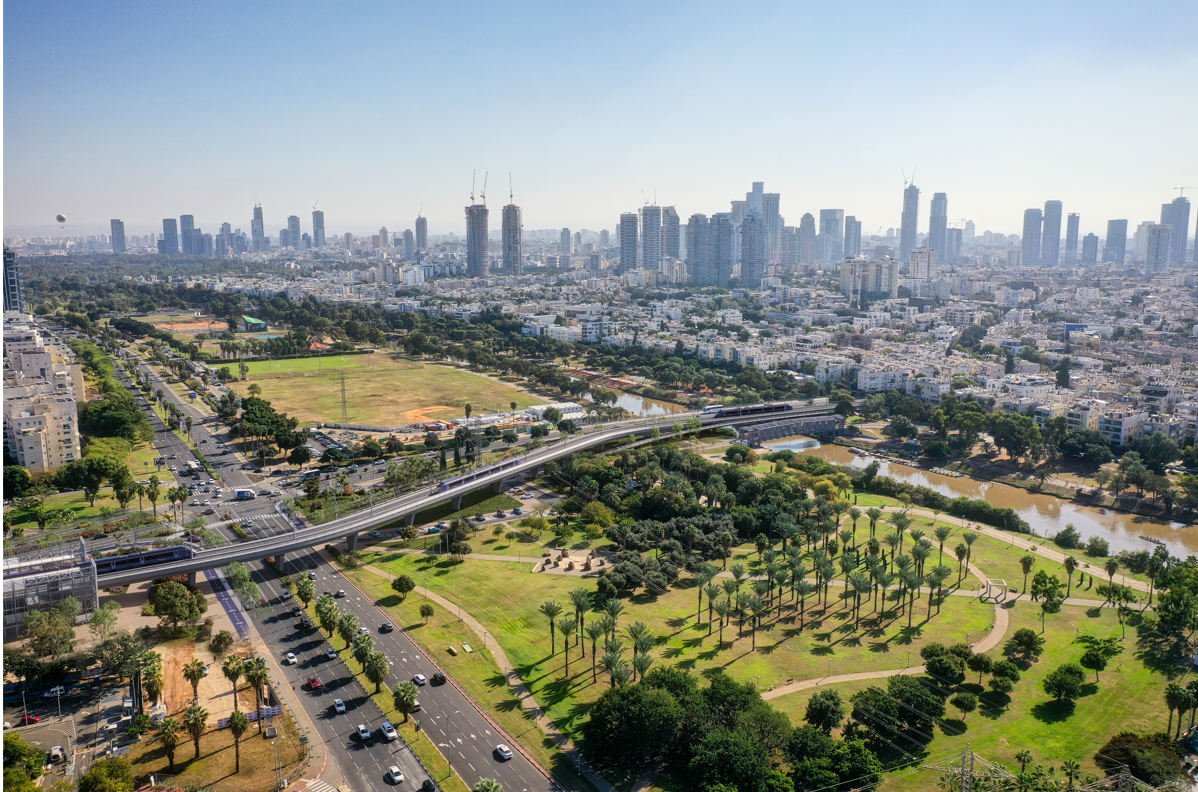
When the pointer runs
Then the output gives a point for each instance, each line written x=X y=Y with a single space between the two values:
x=421 y=233
x=513 y=241
x=477 y=236
x=753 y=250
x=409 y=244
x=1116 y=242
x=922 y=263
x=770 y=212
x=293 y=231
x=565 y=246
x=938 y=225
x=1156 y=253
x=723 y=248
x=1083 y=415
x=14 y=287
x=698 y=251
x=629 y=242
x=1033 y=221
x=169 y=244
x=651 y=238
x=909 y=230
x=118 y=236
x=1177 y=215
x=880 y=380
x=1121 y=427
x=258 y=240
x=831 y=225
x=671 y=232
x=1090 y=249
x=852 y=237
x=1073 y=226
x=1050 y=238
x=318 y=238
x=807 y=239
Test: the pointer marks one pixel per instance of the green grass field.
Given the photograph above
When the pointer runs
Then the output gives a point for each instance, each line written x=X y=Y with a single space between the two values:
x=381 y=389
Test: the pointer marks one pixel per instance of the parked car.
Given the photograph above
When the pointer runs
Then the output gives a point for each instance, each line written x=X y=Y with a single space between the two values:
x=57 y=690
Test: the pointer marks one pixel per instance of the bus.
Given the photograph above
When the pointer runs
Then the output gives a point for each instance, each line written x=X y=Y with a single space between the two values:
x=193 y=468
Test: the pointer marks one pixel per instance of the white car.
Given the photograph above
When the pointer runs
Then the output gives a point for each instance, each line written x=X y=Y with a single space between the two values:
x=420 y=679
x=286 y=595
x=363 y=732
x=338 y=705
x=331 y=653
x=54 y=691
x=394 y=775
x=291 y=658
x=504 y=752
x=363 y=630
x=526 y=496
x=388 y=731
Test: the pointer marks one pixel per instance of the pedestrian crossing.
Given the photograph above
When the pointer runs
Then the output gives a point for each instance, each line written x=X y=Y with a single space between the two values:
x=319 y=786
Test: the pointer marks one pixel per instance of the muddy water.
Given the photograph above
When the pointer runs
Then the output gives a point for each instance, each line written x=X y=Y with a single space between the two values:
x=1044 y=513
x=642 y=407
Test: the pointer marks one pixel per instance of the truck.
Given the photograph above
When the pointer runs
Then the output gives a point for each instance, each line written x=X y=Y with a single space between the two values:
x=243 y=494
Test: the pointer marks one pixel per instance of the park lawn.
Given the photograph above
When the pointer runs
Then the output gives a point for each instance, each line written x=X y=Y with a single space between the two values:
x=217 y=760
x=1128 y=697
x=76 y=504
x=380 y=389
x=141 y=461
x=477 y=672
x=506 y=599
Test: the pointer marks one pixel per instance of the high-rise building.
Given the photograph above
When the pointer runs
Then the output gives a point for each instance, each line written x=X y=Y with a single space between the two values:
x=596 y=262
x=1050 y=236
x=477 y=235
x=14 y=287
x=565 y=245
x=604 y=238
x=118 y=236
x=698 y=251
x=771 y=212
x=651 y=238
x=923 y=263
x=1090 y=249
x=723 y=248
x=970 y=232
x=831 y=223
x=170 y=236
x=409 y=244
x=953 y=242
x=317 y=229
x=293 y=231
x=187 y=226
x=852 y=237
x=422 y=233
x=753 y=243
x=1072 y=229
x=1177 y=214
x=513 y=240
x=671 y=232
x=1156 y=255
x=629 y=232
x=384 y=237
x=938 y=226
x=1033 y=221
x=807 y=234
x=756 y=199
x=789 y=254
x=285 y=237
x=910 y=225
x=1116 y=242
x=258 y=240
x=349 y=240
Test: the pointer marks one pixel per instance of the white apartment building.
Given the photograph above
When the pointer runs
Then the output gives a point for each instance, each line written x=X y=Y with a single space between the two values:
x=880 y=380
x=1122 y=426
x=1083 y=415
x=961 y=315
x=41 y=418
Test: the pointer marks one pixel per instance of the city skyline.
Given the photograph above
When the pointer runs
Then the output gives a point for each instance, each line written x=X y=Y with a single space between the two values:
x=94 y=144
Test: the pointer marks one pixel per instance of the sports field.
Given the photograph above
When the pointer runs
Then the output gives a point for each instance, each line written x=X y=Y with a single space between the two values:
x=380 y=389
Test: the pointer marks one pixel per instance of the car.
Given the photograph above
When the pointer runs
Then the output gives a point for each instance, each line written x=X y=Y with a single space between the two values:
x=517 y=511
x=388 y=731
x=305 y=623
x=286 y=595
x=313 y=683
x=374 y=534
x=438 y=678
x=207 y=503
x=57 y=690
x=297 y=610
x=386 y=627
x=378 y=462
x=363 y=732
x=434 y=530
x=526 y=496
x=311 y=576
x=503 y=752
x=195 y=503
x=264 y=492
x=478 y=517
x=331 y=653
x=28 y=720
x=416 y=705
x=501 y=513
x=338 y=705
x=56 y=754
x=363 y=630
x=394 y=775
x=290 y=659
x=340 y=593
x=420 y=679
x=208 y=511
x=442 y=524
x=428 y=786
x=208 y=669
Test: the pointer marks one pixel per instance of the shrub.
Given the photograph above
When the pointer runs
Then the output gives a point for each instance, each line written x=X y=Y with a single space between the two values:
x=1068 y=538
x=1146 y=760
x=1098 y=547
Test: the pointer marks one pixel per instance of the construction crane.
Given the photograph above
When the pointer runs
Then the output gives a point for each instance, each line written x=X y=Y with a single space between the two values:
x=315 y=204
x=483 y=194
x=1182 y=190
x=511 y=195
x=473 y=179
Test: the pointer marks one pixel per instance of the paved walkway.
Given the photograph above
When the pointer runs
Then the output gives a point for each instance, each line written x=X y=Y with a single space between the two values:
x=540 y=719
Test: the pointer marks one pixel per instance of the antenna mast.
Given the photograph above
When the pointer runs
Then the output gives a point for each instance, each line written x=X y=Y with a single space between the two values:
x=511 y=196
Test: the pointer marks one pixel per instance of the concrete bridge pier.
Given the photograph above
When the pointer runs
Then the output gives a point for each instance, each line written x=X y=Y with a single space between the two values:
x=497 y=487
x=191 y=578
x=456 y=502
x=410 y=519
x=351 y=542
x=281 y=562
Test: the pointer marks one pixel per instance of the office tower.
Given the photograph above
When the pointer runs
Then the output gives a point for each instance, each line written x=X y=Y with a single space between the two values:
x=384 y=237
x=953 y=244
x=628 y=241
x=293 y=231
x=753 y=243
x=723 y=248
x=1090 y=249
x=1116 y=241
x=756 y=199
x=1033 y=221
x=651 y=238
x=422 y=233
x=807 y=238
x=317 y=229
x=409 y=243
x=604 y=238
x=349 y=240
x=284 y=238
x=771 y=203
x=1050 y=237
x=477 y=261
x=789 y=251
x=923 y=263
x=739 y=210
x=671 y=232
x=970 y=232
x=910 y=222
x=1177 y=214
x=938 y=225
x=170 y=236
x=187 y=224
x=698 y=251
x=1156 y=256
x=14 y=287
x=831 y=223
x=596 y=262
x=565 y=245
x=118 y=236
x=258 y=238
x=1072 y=228
x=852 y=237
x=513 y=240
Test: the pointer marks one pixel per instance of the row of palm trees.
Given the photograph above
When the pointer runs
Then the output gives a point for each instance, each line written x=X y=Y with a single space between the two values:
x=604 y=627
x=375 y=664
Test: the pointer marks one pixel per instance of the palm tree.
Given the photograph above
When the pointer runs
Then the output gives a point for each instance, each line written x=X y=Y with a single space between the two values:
x=722 y=609
x=580 y=598
x=702 y=578
x=1070 y=567
x=375 y=668
x=404 y=696
x=305 y=590
x=594 y=631
x=1112 y=566
x=168 y=732
x=566 y=627
x=1024 y=758
x=961 y=552
x=256 y=676
x=970 y=537
x=239 y=723
x=347 y=627
x=362 y=647
x=759 y=609
x=942 y=533
x=195 y=718
x=641 y=663
x=193 y=672
x=1072 y=770
x=613 y=608
x=874 y=514
x=1175 y=698
x=860 y=584
x=233 y=669
x=1026 y=563
x=551 y=611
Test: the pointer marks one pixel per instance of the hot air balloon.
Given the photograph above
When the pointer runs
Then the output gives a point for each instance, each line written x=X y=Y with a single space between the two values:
x=61 y=218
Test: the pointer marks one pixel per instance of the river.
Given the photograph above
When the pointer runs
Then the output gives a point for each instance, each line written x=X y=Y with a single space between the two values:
x=642 y=407
x=1044 y=513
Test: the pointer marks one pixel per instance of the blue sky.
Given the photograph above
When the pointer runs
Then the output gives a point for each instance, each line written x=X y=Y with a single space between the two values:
x=145 y=110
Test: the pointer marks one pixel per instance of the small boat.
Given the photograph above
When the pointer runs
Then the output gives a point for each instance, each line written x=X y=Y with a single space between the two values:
x=1150 y=539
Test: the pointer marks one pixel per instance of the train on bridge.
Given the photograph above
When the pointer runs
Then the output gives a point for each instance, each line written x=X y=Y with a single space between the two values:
x=157 y=555
x=745 y=409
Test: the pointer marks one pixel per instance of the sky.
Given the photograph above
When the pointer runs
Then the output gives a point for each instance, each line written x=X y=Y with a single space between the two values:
x=145 y=110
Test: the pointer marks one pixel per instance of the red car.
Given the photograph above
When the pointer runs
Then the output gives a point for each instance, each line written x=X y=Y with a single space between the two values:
x=208 y=511
x=313 y=683
x=27 y=720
